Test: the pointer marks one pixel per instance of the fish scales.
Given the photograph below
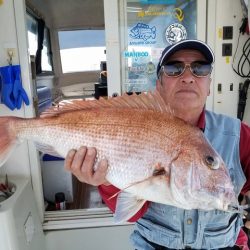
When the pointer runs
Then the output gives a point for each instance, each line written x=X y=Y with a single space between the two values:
x=117 y=136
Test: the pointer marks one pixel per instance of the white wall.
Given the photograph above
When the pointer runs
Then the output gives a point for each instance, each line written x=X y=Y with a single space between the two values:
x=18 y=165
x=103 y=238
x=225 y=13
x=7 y=35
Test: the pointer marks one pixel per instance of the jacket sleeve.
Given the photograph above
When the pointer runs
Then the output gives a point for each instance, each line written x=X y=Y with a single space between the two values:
x=108 y=191
x=245 y=154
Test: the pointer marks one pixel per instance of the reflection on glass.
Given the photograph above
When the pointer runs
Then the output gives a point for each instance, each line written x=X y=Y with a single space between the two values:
x=32 y=34
x=46 y=56
x=32 y=28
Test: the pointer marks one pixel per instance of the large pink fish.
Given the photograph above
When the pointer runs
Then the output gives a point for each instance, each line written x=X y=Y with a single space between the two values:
x=152 y=155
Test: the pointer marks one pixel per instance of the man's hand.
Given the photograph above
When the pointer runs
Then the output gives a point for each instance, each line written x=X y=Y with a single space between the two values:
x=81 y=164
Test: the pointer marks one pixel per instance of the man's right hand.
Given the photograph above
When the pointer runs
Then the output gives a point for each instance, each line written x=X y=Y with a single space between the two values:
x=81 y=164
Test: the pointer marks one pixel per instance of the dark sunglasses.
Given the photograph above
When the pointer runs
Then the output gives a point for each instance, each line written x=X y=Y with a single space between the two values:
x=197 y=68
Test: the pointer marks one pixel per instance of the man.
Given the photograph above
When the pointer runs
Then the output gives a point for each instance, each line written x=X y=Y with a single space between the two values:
x=183 y=72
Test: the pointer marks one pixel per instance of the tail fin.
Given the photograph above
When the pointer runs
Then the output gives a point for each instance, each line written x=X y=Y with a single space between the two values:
x=7 y=139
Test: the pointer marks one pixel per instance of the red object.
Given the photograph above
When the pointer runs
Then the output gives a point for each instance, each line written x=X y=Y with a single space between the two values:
x=60 y=201
x=3 y=187
x=244 y=155
x=247 y=28
x=242 y=240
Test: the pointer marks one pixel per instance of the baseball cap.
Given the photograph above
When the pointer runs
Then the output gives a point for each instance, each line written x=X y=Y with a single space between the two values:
x=186 y=44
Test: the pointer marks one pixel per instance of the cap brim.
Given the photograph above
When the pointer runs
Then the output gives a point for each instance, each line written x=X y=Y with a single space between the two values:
x=189 y=44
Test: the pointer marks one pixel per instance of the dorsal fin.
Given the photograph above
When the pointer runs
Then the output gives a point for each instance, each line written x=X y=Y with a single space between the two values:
x=148 y=101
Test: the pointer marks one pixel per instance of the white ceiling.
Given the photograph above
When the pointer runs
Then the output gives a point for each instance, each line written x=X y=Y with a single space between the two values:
x=63 y=14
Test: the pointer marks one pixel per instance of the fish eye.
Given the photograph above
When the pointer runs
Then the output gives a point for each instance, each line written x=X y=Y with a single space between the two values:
x=211 y=162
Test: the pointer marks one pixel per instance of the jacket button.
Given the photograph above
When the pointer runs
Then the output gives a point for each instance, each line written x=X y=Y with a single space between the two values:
x=189 y=221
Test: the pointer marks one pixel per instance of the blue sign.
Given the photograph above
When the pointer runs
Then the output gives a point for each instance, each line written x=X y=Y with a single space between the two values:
x=135 y=54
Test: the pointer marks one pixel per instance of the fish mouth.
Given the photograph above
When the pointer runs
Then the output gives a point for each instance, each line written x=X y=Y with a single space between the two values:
x=220 y=196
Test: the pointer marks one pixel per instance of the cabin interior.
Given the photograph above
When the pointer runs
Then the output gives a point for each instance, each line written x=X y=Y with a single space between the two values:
x=72 y=65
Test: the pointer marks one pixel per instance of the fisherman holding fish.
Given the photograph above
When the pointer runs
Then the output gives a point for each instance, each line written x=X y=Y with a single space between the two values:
x=159 y=158
x=184 y=78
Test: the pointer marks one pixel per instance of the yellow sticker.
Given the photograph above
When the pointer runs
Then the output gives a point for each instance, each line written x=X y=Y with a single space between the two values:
x=141 y=13
x=179 y=14
x=227 y=59
x=220 y=33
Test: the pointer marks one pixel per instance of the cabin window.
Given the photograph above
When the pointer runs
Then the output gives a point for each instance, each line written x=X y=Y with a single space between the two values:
x=82 y=50
x=44 y=65
x=32 y=34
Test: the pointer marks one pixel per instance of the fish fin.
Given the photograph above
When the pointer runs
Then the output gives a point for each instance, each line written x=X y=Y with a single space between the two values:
x=47 y=149
x=157 y=172
x=148 y=101
x=131 y=185
x=8 y=140
x=127 y=206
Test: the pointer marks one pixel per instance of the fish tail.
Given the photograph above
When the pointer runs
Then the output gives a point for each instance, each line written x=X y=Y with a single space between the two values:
x=7 y=139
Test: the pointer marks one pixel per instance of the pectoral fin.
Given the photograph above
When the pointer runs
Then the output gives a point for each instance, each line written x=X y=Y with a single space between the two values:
x=127 y=206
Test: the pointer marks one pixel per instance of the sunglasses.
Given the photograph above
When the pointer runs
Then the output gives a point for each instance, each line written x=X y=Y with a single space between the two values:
x=197 y=68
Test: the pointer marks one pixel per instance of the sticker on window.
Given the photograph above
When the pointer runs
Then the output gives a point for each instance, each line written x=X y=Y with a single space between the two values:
x=175 y=33
x=143 y=31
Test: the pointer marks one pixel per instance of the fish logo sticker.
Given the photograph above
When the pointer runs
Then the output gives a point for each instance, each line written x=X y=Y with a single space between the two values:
x=143 y=31
x=175 y=33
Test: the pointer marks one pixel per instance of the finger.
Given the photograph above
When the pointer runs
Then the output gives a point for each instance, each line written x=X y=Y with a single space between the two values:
x=87 y=167
x=99 y=177
x=76 y=164
x=69 y=159
x=78 y=160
